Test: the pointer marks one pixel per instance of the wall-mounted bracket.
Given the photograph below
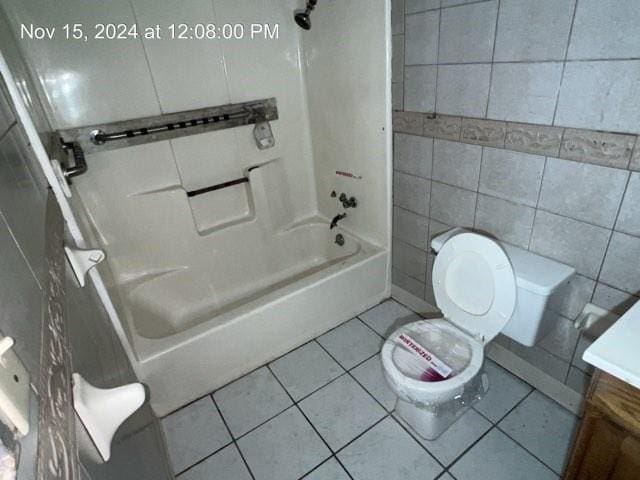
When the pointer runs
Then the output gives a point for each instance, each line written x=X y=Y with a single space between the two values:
x=82 y=261
x=102 y=411
x=14 y=388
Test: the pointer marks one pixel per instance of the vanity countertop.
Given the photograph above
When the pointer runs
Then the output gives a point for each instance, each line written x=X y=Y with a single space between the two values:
x=617 y=351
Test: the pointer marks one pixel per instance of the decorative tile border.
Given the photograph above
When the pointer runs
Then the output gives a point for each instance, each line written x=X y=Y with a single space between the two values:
x=608 y=149
x=589 y=146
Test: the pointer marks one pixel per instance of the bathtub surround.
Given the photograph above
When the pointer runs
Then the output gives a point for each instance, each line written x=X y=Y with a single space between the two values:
x=528 y=126
x=187 y=276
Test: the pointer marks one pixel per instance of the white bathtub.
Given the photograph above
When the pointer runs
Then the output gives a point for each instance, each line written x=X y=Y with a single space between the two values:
x=193 y=329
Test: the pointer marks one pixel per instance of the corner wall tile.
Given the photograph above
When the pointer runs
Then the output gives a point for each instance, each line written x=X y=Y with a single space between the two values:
x=405 y=282
x=511 y=176
x=590 y=193
x=397 y=16
x=452 y=205
x=543 y=360
x=578 y=380
x=533 y=30
x=580 y=245
x=457 y=164
x=524 y=92
x=421 y=33
x=608 y=149
x=397 y=96
x=537 y=139
x=443 y=126
x=413 y=154
x=622 y=263
x=420 y=88
x=504 y=220
x=409 y=260
x=600 y=95
x=463 y=89
x=407 y=122
x=411 y=193
x=411 y=228
x=483 y=132
x=613 y=299
x=467 y=33
x=629 y=216
x=397 y=58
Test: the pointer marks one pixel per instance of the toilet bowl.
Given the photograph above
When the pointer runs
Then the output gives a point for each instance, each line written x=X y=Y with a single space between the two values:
x=480 y=289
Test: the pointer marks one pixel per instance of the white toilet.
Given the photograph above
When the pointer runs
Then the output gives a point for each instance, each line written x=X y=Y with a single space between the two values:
x=482 y=288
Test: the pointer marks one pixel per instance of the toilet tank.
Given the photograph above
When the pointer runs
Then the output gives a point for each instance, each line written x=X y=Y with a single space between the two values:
x=537 y=280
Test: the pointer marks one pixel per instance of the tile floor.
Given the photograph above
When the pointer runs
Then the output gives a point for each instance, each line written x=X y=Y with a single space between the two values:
x=324 y=412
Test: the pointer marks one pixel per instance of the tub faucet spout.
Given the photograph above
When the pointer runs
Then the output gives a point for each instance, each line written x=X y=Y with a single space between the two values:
x=336 y=219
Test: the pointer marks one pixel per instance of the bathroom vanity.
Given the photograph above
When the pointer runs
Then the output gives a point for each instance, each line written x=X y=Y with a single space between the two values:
x=607 y=445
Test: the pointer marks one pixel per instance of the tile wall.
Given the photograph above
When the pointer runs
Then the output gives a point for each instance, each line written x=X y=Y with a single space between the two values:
x=518 y=118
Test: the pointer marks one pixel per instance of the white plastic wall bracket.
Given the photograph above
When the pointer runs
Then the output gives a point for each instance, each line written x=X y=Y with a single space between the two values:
x=14 y=388
x=82 y=261
x=102 y=411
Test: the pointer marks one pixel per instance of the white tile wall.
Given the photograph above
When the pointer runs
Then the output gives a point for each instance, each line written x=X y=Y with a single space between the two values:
x=605 y=29
x=420 y=88
x=459 y=43
x=524 y=92
x=463 y=89
x=421 y=34
x=537 y=30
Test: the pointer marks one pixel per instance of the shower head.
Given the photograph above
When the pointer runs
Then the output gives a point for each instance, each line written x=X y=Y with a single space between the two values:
x=303 y=17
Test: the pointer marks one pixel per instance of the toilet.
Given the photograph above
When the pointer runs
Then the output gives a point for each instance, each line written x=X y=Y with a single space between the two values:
x=483 y=288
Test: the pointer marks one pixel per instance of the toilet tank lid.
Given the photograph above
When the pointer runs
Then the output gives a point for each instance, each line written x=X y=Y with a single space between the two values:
x=533 y=272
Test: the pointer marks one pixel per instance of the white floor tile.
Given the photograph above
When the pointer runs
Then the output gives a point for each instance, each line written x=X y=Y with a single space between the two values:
x=341 y=411
x=543 y=427
x=305 y=369
x=388 y=452
x=329 y=470
x=388 y=316
x=284 y=448
x=505 y=391
x=251 y=400
x=497 y=457
x=457 y=438
x=227 y=463
x=194 y=432
x=351 y=343
x=370 y=376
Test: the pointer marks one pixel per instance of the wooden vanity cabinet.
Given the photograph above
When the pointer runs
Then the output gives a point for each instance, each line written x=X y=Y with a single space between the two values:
x=607 y=445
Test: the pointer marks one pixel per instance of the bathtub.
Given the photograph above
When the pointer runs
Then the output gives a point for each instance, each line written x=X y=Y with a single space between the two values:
x=192 y=329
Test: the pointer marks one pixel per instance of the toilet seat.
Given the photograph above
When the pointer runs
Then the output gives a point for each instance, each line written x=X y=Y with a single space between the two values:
x=474 y=285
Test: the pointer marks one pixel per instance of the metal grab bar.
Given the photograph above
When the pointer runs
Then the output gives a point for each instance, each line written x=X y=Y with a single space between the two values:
x=99 y=137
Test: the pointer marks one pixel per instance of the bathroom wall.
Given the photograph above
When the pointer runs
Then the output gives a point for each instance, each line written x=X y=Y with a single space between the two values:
x=537 y=108
x=96 y=351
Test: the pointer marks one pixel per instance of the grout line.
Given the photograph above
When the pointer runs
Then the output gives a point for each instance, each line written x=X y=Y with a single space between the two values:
x=564 y=66
x=529 y=62
x=493 y=56
x=297 y=406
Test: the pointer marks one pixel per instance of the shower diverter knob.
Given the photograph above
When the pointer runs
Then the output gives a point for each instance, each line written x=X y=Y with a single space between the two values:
x=102 y=411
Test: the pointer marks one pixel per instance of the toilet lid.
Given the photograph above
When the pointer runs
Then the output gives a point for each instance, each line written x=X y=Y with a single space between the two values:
x=474 y=285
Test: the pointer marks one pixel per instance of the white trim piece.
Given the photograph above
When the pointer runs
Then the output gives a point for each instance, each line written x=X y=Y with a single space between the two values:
x=83 y=260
